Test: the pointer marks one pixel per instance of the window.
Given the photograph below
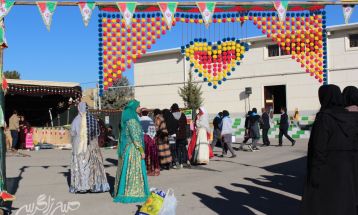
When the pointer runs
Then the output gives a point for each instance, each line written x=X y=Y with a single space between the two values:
x=353 y=40
x=274 y=51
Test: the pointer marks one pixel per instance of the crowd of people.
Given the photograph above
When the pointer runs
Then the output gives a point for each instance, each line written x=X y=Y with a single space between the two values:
x=150 y=144
x=18 y=133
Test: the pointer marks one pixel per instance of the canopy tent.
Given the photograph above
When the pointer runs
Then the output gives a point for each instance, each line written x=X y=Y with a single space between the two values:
x=37 y=99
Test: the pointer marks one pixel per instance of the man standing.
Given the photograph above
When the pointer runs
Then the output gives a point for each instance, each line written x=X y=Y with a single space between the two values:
x=217 y=130
x=226 y=133
x=284 y=124
x=14 y=126
x=265 y=126
x=181 y=137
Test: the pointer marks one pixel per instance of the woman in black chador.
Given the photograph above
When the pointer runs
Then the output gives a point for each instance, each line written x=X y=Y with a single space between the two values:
x=332 y=182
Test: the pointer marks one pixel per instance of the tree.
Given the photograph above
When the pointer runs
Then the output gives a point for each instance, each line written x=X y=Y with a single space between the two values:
x=12 y=74
x=191 y=93
x=117 y=97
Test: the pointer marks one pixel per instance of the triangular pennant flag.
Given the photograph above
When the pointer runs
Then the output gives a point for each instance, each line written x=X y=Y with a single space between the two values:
x=127 y=9
x=207 y=11
x=47 y=8
x=3 y=43
x=281 y=7
x=168 y=9
x=5 y=7
x=86 y=9
x=347 y=12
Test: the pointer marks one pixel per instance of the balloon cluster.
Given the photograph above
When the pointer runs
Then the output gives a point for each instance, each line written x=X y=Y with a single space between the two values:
x=214 y=62
x=120 y=45
x=302 y=35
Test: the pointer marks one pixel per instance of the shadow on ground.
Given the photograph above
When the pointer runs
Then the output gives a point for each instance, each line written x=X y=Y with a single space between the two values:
x=287 y=177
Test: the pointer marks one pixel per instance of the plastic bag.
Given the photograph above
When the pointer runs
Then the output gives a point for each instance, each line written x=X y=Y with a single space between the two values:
x=153 y=204
x=169 y=204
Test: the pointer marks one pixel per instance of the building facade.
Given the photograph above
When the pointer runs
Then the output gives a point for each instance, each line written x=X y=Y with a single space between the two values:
x=274 y=78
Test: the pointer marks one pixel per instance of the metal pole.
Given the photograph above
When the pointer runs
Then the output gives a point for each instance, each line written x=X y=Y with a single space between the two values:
x=2 y=135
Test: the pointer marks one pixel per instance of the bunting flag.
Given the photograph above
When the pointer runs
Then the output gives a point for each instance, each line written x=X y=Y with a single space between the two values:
x=207 y=11
x=347 y=12
x=5 y=7
x=47 y=8
x=168 y=9
x=86 y=9
x=4 y=84
x=3 y=43
x=127 y=9
x=281 y=7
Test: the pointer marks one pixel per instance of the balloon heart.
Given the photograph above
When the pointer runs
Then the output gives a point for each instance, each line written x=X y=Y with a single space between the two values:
x=214 y=61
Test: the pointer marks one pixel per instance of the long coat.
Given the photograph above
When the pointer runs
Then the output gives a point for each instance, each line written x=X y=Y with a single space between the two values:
x=332 y=169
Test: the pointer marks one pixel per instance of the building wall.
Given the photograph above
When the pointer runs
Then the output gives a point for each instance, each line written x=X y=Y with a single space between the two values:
x=255 y=71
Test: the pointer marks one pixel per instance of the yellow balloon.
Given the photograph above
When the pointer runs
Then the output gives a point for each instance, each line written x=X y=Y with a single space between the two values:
x=105 y=83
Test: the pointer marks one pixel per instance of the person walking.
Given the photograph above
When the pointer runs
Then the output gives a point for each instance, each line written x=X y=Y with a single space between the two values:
x=181 y=136
x=254 y=121
x=161 y=139
x=87 y=170
x=217 y=130
x=172 y=127
x=265 y=126
x=284 y=125
x=14 y=126
x=247 y=129
x=131 y=184
x=226 y=133
x=331 y=184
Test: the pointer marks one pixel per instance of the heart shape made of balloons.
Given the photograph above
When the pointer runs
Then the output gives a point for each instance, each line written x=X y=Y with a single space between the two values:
x=215 y=61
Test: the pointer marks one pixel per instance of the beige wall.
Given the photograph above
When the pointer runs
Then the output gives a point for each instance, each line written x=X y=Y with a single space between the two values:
x=256 y=71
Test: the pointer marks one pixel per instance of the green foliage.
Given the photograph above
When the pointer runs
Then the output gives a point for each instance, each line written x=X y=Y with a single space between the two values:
x=191 y=93
x=117 y=98
x=12 y=75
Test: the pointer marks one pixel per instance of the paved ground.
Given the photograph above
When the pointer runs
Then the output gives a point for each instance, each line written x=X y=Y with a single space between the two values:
x=266 y=182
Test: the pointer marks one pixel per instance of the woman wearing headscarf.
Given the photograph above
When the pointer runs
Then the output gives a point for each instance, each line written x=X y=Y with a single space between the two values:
x=172 y=127
x=331 y=186
x=161 y=140
x=87 y=170
x=199 y=150
x=151 y=150
x=131 y=185
x=350 y=95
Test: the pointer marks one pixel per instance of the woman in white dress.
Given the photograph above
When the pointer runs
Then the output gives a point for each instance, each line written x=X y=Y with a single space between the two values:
x=202 y=150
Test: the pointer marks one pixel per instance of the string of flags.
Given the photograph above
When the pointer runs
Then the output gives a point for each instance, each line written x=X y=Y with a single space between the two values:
x=168 y=9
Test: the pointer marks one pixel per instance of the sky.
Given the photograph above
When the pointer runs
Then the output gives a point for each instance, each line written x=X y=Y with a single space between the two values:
x=69 y=52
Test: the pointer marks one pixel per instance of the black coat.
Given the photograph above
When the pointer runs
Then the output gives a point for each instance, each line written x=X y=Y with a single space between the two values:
x=265 y=118
x=331 y=187
x=216 y=122
x=284 y=121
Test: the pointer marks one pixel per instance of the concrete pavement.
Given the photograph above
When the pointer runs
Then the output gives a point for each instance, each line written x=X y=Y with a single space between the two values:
x=269 y=181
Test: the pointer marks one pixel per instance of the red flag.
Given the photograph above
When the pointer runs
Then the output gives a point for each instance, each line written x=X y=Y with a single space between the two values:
x=4 y=83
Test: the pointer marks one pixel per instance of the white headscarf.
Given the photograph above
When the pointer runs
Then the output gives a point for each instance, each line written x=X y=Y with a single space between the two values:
x=203 y=120
x=82 y=111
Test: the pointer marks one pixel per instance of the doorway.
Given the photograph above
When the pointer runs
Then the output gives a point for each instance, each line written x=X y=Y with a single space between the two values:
x=275 y=97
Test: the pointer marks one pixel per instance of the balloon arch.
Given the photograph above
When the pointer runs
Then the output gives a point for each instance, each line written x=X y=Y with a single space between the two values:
x=301 y=33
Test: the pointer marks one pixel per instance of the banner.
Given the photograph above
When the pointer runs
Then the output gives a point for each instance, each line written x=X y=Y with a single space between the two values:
x=3 y=43
x=86 y=9
x=127 y=9
x=281 y=7
x=5 y=7
x=47 y=8
x=207 y=11
x=347 y=12
x=168 y=9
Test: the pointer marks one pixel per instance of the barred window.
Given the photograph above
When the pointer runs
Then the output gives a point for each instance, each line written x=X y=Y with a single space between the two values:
x=274 y=51
x=353 y=40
